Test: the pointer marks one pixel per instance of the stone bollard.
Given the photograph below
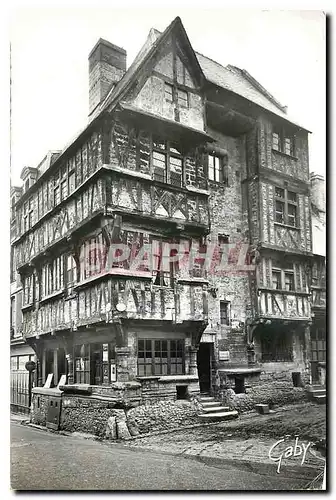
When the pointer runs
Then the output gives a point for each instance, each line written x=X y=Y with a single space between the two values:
x=262 y=409
x=133 y=428
x=122 y=430
x=111 y=430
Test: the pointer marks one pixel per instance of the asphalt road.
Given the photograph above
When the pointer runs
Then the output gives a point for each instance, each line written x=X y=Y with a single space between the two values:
x=42 y=460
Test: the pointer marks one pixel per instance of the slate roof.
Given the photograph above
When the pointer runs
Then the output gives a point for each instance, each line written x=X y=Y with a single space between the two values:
x=231 y=78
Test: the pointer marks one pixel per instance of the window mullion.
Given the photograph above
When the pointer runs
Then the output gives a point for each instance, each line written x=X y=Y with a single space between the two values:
x=153 y=356
x=286 y=206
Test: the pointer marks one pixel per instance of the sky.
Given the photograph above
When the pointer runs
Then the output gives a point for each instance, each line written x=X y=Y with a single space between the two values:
x=283 y=50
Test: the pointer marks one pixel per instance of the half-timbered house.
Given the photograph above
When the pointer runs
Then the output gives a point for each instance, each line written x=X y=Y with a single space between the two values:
x=178 y=150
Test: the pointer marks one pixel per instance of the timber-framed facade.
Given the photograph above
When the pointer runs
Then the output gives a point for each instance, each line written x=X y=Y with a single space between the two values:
x=178 y=150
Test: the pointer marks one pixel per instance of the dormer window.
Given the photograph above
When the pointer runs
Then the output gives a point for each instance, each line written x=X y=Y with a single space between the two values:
x=26 y=185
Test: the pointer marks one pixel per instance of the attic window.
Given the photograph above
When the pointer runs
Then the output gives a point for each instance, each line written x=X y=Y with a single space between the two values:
x=182 y=98
x=168 y=92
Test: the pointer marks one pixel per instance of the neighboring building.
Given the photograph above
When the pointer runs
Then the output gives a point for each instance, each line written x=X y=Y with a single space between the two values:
x=318 y=280
x=178 y=149
x=20 y=352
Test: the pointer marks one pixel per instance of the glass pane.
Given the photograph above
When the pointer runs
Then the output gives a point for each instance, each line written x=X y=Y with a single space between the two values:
x=168 y=92
x=159 y=144
x=275 y=142
x=160 y=174
x=279 y=192
x=148 y=345
x=174 y=148
x=291 y=196
x=159 y=159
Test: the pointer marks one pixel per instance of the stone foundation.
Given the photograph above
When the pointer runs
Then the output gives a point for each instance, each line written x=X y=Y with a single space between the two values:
x=273 y=385
x=153 y=403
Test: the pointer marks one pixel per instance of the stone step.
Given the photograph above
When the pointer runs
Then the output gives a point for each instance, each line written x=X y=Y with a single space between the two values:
x=216 y=409
x=320 y=399
x=209 y=404
x=318 y=391
x=206 y=399
x=225 y=415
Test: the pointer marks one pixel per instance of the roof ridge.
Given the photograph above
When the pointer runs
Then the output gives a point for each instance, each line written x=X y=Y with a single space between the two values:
x=258 y=86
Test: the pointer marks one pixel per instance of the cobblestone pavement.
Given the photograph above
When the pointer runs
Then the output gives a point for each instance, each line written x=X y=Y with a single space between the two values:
x=231 y=441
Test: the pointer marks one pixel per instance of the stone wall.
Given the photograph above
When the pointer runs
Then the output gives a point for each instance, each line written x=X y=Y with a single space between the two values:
x=274 y=387
x=163 y=415
x=90 y=412
x=39 y=409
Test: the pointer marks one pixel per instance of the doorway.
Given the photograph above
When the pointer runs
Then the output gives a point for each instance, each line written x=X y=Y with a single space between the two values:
x=318 y=350
x=204 y=356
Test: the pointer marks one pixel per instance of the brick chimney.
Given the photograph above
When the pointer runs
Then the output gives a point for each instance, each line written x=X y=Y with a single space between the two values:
x=317 y=191
x=107 y=65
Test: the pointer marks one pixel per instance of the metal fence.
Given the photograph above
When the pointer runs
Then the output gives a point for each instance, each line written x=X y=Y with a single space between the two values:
x=20 y=391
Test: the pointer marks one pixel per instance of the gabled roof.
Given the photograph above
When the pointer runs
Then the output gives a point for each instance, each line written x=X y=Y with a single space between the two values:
x=154 y=40
x=231 y=78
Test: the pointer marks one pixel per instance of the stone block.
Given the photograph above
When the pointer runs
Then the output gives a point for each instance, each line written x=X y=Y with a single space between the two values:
x=262 y=409
x=122 y=430
x=111 y=429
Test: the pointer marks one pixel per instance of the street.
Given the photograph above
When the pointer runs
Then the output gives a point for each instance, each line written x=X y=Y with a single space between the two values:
x=43 y=460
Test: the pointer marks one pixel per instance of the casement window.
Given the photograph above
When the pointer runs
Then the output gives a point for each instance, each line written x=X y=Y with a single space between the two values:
x=283 y=276
x=160 y=357
x=57 y=195
x=72 y=182
x=162 y=268
x=168 y=90
x=53 y=277
x=182 y=98
x=71 y=271
x=28 y=214
x=224 y=308
x=276 y=347
x=19 y=362
x=167 y=162
x=28 y=290
x=12 y=214
x=289 y=281
x=283 y=141
x=318 y=344
x=276 y=280
x=92 y=257
x=13 y=312
x=172 y=95
x=285 y=207
x=217 y=169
